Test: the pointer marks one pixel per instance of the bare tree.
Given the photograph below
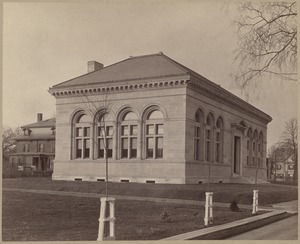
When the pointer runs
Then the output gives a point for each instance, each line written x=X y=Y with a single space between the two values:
x=267 y=42
x=290 y=141
x=100 y=104
x=8 y=142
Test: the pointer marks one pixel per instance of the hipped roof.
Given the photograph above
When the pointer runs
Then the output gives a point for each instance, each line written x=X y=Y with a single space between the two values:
x=151 y=66
x=40 y=124
x=140 y=67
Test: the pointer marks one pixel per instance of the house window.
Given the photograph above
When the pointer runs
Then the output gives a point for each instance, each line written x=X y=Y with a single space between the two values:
x=198 y=134
x=129 y=133
x=208 y=138
x=26 y=147
x=41 y=147
x=105 y=132
x=154 y=135
x=52 y=147
x=82 y=137
x=27 y=132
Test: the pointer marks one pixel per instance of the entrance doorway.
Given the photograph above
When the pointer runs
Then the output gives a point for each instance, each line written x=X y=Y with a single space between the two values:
x=35 y=162
x=237 y=155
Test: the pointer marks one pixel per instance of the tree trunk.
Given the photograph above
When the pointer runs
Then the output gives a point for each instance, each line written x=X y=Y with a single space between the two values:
x=295 y=176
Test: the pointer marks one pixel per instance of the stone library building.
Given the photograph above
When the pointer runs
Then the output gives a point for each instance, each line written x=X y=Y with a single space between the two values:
x=156 y=121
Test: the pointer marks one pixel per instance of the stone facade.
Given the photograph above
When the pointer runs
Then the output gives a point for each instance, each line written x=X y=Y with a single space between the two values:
x=166 y=124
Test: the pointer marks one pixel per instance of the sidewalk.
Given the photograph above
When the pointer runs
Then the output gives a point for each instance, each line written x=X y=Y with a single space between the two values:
x=135 y=198
x=235 y=227
x=291 y=206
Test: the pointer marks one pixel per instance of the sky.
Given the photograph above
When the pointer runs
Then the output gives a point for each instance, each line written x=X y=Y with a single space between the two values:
x=45 y=43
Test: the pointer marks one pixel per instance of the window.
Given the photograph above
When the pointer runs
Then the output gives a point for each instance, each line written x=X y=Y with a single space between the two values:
x=52 y=146
x=41 y=147
x=255 y=149
x=129 y=133
x=26 y=147
x=198 y=135
x=82 y=137
x=208 y=138
x=154 y=135
x=249 y=143
x=27 y=131
x=219 y=140
x=105 y=134
x=259 y=153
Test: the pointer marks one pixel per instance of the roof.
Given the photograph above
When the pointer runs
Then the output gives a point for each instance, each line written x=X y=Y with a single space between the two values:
x=153 y=66
x=140 y=67
x=40 y=124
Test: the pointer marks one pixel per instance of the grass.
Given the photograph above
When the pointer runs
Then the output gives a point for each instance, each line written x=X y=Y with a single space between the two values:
x=42 y=217
x=242 y=193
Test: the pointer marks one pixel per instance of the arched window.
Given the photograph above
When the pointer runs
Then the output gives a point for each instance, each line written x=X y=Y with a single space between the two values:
x=208 y=137
x=82 y=136
x=129 y=132
x=198 y=135
x=254 y=148
x=219 y=141
x=260 y=146
x=105 y=131
x=249 y=146
x=154 y=134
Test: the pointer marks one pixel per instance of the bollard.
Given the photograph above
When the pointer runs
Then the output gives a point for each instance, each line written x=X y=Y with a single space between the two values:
x=255 y=202
x=103 y=218
x=208 y=218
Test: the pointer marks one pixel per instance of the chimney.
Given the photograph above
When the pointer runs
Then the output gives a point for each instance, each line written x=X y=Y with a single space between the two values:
x=39 y=117
x=94 y=65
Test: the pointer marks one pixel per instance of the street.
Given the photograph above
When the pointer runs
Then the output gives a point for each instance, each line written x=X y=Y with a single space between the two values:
x=286 y=229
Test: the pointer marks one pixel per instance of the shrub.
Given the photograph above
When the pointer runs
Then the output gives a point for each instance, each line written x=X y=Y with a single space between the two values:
x=165 y=216
x=233 y=206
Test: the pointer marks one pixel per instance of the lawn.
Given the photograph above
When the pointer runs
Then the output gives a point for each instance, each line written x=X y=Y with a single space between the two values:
x=242 y=193
x=42 y=217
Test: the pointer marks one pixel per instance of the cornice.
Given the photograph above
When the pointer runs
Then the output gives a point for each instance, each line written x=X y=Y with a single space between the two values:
x=217 y=92
x=113 y=88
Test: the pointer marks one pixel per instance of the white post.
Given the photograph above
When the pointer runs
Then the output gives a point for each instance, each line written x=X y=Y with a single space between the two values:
x=112 y=219
x=255 y=202
x=208 y=217
x=103 y=219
